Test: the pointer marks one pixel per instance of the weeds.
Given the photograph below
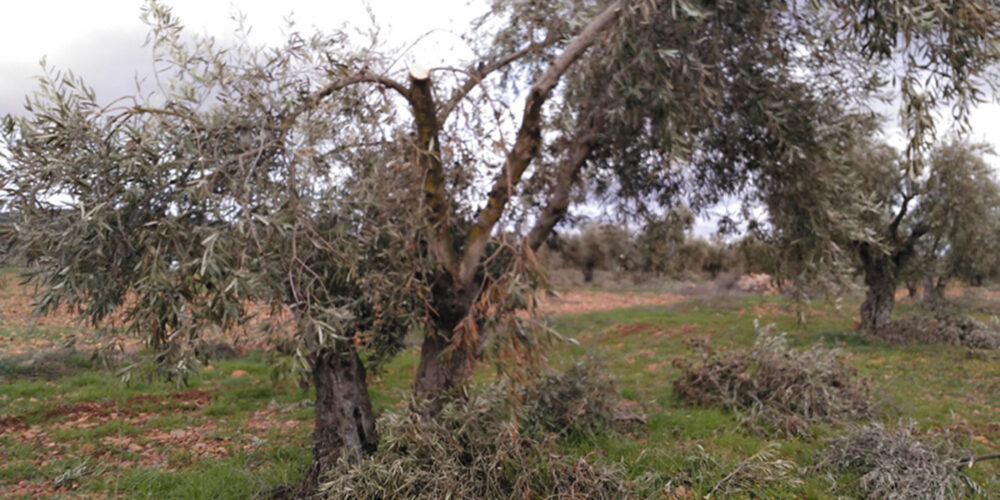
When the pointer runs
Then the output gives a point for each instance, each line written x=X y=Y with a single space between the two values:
x=775 y=388
x=70 y=477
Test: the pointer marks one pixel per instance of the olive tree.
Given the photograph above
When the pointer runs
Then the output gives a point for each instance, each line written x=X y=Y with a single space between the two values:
x=661 y=242
x=834 y=197
x=599 y=246
x=893 y=222
x=360 y=199
x=961 y=201
x=934 y=223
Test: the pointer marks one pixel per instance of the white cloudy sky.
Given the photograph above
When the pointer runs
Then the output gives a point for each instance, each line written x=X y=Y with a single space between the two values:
x=101 y=40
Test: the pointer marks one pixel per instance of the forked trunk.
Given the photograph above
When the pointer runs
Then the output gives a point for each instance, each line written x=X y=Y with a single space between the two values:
x=345 y=424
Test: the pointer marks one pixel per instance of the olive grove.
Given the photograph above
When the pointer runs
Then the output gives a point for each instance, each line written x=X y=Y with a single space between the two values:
x=362 y=201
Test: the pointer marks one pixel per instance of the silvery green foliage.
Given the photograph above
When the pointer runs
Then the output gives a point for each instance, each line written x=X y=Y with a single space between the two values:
x=961 y=202
x=285 y=176
x=218 y=185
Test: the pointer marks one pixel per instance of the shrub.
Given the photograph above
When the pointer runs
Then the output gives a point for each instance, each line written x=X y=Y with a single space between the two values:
x=483 y=446
x=895 y=464
x=775 y=388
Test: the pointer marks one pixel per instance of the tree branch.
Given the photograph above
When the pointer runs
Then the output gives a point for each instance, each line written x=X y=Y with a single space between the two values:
x=969 y=462
x=477 y=75
x=361 y=77
x=559 y=192
x=894 y=225
x=428 y=158
x=528 y=141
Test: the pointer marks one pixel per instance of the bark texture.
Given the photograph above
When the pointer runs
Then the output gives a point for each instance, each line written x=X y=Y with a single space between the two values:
x=441 y=366
x=345 y=424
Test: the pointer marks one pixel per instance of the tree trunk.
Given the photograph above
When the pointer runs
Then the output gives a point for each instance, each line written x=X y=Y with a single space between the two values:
x=911 y=288
x=880 y=278
x=588 y=273
x=442 y=368
x=876 y=310
x=345 y=424
x=934 y=292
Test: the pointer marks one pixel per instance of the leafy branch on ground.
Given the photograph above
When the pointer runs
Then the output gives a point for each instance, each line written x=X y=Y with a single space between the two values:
x=895 y=464
x=774 y=388
x=485 y=446
x=949 y=328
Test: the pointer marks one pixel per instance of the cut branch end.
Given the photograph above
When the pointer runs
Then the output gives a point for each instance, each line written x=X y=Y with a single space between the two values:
x=418 y=72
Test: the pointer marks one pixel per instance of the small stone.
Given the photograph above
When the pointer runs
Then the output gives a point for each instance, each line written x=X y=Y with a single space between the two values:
x=238 y=373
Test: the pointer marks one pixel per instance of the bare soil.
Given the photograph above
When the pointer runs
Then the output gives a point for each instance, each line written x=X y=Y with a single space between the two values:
x=581 y=301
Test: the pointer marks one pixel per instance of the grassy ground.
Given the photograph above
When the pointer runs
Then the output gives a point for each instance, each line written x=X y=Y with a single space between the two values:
x=232 y=432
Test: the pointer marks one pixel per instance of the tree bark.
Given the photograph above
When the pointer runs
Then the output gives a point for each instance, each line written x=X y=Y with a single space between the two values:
x=441 y=368
x=880 y=278
x=934 y=292
x=876 y=310
x=345 y=423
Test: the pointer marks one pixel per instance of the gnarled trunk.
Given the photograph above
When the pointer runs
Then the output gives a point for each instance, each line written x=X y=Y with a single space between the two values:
x=588 y=273
x=345 y=424
x=880 y=278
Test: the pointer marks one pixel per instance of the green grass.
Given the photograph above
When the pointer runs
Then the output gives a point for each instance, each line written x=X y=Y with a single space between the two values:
x=939 y=387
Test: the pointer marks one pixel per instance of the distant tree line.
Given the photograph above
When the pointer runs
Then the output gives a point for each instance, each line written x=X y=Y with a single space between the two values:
x=663 y=247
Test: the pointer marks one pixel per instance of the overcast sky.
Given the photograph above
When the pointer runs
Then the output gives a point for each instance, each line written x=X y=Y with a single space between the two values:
x=101 y=40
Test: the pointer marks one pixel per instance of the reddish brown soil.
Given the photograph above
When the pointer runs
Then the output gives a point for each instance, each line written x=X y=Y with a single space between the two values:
x=580 y=301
